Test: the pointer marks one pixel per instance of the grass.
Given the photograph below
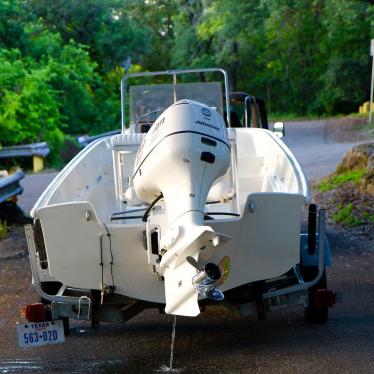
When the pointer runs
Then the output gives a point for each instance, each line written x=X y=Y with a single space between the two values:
x=346 y=217
x=337 y=180
x=4 y=229
x=368 y=217
x=279 y=116
x=275 y=116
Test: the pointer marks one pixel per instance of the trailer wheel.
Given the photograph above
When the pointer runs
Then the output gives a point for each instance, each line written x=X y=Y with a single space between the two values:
x=313 y=313
x=65 y=321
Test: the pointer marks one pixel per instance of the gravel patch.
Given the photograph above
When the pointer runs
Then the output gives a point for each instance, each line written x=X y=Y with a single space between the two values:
x=348 y=129
x=14 y=245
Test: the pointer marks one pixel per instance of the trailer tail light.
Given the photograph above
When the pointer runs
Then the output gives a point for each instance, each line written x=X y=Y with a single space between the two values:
x=36 y=312
x=13 y=199
x=325 y=298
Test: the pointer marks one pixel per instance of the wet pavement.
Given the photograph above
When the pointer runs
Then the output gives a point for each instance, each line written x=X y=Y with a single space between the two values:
x=321 y=144
x=214 y=342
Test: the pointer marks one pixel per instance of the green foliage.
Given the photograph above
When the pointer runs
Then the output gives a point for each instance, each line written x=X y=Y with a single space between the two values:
x=29 y=109
x=368 y=217
x=4 y=229
x=345 y=216
x=11 y=28
x=293 y=34
x=61 y=61
x=337 y=180
x=156 y=20
x=188 y=49
x=50 y=88
x=106 y=26
x=348 y=25
x=303 y=57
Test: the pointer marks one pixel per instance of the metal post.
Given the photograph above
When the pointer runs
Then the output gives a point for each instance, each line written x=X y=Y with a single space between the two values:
x=371 y=92
x=175 y=87
x=123 y=104
x=372 y=81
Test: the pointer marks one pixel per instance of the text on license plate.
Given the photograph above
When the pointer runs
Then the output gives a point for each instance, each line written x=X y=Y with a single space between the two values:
x=34 y=334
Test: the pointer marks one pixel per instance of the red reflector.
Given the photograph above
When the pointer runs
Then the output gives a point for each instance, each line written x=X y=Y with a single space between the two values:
x=36 y=312
x=325 y=298
x=13 y=199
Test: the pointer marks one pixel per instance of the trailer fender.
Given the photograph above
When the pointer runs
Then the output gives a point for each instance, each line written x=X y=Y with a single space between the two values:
x=308 y=260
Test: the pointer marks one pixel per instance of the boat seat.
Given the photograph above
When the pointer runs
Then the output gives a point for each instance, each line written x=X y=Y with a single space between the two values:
x=127 y=139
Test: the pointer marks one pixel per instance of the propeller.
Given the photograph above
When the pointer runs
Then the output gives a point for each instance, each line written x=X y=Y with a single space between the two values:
x=208 y=279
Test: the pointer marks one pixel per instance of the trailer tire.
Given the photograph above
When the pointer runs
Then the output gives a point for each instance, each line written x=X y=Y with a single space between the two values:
x=313 y=313
x=65 y=321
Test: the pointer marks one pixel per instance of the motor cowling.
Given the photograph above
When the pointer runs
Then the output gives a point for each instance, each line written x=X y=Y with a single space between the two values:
x=183 y=154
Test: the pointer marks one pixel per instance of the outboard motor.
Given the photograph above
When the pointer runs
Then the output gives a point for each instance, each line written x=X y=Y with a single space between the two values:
x=183 y=154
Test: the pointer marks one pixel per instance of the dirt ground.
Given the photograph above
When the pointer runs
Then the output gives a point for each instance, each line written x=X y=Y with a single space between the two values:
x=14 y=245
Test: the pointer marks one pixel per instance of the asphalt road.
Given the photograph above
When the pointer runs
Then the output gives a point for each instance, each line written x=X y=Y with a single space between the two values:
x=317 y=145
x=214 y=342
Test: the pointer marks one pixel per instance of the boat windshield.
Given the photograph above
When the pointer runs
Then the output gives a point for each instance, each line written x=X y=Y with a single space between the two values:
x=147 y=102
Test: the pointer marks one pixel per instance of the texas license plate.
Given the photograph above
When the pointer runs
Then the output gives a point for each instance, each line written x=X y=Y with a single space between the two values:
x=34 y=334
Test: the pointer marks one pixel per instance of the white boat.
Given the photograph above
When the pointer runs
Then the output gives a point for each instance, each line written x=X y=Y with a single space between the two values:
x=178 y=211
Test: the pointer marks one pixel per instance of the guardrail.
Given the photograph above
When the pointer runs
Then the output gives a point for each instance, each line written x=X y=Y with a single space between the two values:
x=9 y=189
x=84 y=140
x=38 y=151
x=9 y=186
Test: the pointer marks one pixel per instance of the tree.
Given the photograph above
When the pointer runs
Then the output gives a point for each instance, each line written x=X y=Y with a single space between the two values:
x=60 y=60
x=11 y=28
x=232 y=32
x=29 y=109
x=156 y=16
x=102 y=25
x=48 y=90
x=349 y=27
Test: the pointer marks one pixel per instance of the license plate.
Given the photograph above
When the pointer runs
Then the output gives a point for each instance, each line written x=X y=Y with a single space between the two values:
x=35 y=334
